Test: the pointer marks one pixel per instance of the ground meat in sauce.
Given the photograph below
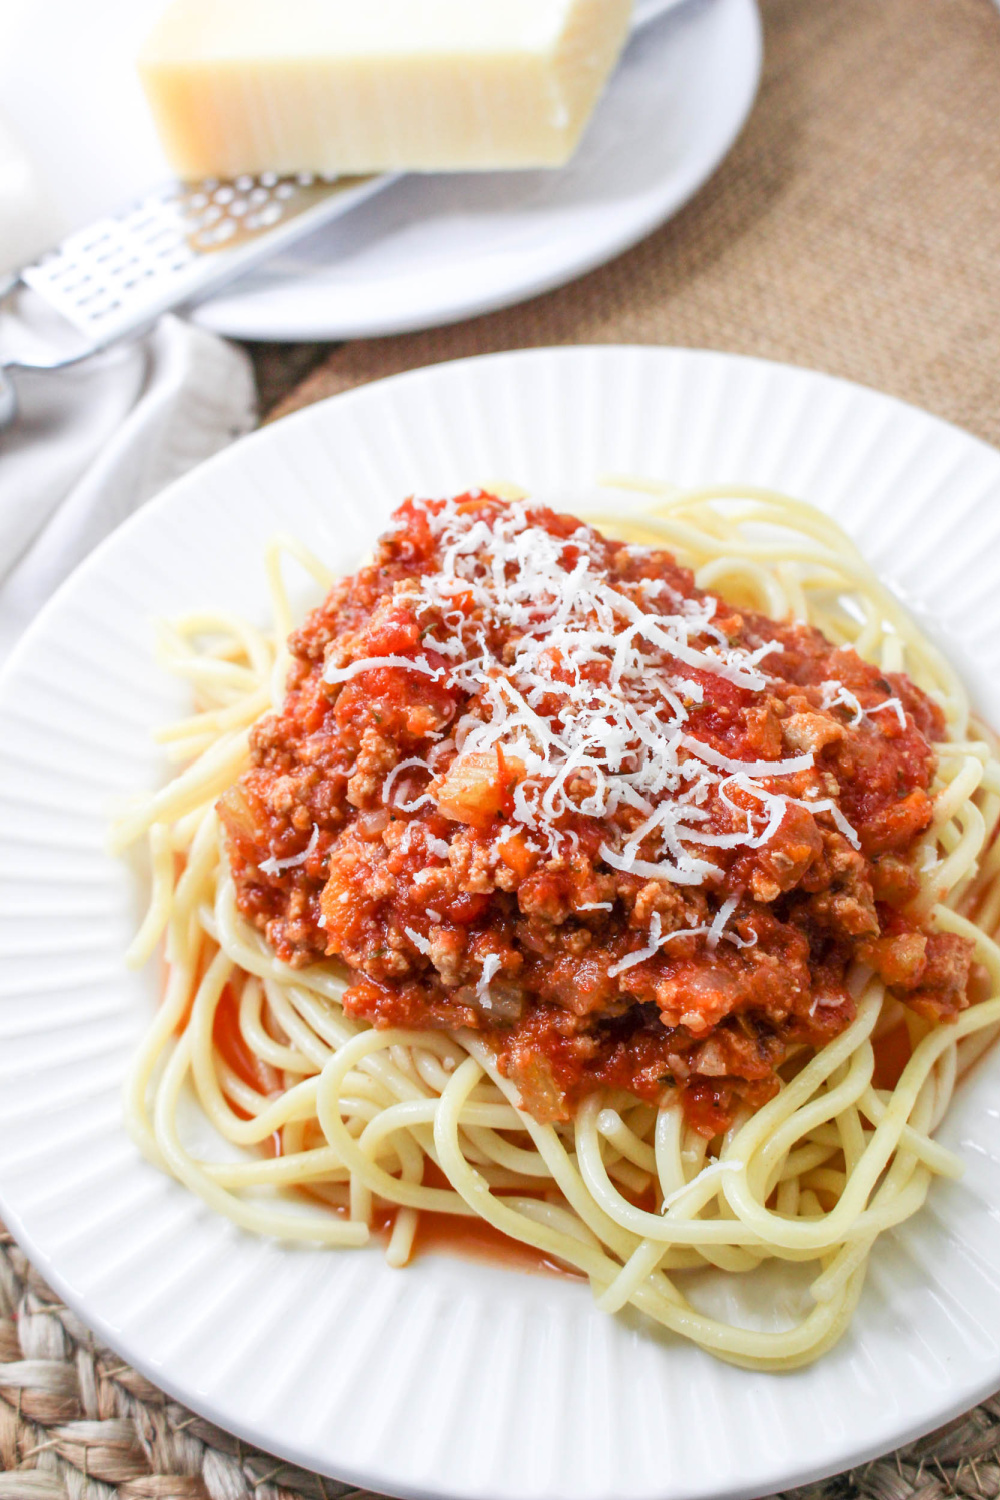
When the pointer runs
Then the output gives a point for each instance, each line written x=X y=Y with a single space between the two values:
x=424 y=896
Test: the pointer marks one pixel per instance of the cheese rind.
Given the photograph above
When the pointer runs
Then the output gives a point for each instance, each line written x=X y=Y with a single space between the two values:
x=338 y=86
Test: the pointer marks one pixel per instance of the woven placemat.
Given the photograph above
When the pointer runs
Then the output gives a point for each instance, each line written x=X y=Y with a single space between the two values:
x=855 y=229
x=76 y=1423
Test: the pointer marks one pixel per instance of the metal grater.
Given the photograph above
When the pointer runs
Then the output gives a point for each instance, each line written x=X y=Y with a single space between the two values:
x=173 y=248
x=178 y=244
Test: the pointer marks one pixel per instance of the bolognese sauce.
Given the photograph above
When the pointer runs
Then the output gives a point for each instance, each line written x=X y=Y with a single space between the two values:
x=533 y=782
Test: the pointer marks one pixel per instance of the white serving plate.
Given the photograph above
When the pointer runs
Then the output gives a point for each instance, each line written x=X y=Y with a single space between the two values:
x=453 y=1379
x=428 y=249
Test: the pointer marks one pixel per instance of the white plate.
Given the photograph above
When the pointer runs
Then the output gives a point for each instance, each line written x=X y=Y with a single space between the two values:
x=427 y=250
x=451 y=1378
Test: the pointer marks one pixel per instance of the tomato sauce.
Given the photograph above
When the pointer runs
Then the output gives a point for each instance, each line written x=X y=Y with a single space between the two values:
x=423 y=868
x=474 y=1239
x=893 y=1051
x=232 y=1047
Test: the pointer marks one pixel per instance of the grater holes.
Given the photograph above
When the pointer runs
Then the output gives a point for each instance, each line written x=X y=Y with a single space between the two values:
x=109 y=274
x=219 y=233
x=264 y=218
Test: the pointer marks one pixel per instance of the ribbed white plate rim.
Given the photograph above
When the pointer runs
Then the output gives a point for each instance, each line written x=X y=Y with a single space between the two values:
x=904 y=449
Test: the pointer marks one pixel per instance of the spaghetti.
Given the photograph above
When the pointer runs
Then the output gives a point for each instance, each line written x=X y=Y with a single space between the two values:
x=624 y=1168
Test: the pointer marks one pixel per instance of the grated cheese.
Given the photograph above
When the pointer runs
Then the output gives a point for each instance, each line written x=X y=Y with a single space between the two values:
x=414 y=763
x=895 y=705
x=592 y=697
x=420 y=943
x=274 y=866
x=491 y=967
x=641 y=954
x=748 y=767
x=370 y=663
x=835 y=693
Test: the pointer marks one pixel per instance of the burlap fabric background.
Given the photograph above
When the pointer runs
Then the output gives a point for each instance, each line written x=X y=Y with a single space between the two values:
x=856 y=228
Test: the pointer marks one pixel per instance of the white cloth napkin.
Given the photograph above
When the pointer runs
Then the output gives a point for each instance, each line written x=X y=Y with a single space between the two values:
x=92 y=444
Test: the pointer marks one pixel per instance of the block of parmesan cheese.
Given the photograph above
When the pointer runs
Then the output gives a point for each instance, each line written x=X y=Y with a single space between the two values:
x=345 y=86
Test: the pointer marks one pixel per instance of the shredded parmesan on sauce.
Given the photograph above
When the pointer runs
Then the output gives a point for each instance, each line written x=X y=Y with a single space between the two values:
x=491 y=968
x=274 y=866
x=712 y=932
x=370 y=663
x=591 y=698
x=412 y=764
x=420 y=943
x=836 y=694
